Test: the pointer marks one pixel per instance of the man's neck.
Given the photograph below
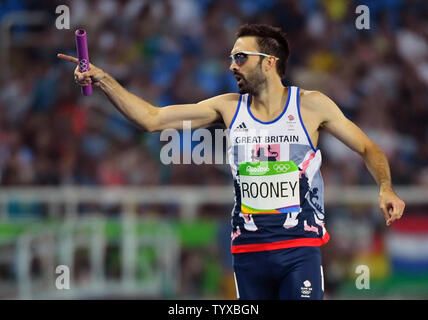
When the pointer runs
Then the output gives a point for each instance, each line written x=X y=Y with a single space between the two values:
x=271 y=98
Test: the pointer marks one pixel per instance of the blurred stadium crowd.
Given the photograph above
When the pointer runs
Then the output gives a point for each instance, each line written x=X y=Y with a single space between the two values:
x=177 y=51
x=171 y=52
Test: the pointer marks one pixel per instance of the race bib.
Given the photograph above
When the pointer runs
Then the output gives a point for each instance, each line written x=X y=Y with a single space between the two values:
x=269 y=187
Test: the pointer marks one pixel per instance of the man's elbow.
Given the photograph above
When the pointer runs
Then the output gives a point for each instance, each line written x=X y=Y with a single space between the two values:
x=152 y=122
x=152 y=127
x=370 y=148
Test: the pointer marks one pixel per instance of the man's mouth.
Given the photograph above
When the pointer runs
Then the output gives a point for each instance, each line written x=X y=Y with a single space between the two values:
x=239 y=79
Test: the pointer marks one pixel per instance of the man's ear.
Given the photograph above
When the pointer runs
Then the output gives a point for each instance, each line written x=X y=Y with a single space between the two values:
x=270 y=63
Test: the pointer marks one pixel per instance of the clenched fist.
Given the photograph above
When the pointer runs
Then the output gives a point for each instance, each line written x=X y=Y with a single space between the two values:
x=391 y=205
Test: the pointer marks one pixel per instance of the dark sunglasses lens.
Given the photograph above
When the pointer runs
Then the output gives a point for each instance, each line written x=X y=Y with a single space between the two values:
x=240 y=58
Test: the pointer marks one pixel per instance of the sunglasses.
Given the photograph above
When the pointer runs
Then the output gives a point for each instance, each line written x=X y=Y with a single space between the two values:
x=242 y=56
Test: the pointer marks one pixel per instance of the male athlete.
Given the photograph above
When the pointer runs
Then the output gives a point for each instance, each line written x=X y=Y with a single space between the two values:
x=278 y=218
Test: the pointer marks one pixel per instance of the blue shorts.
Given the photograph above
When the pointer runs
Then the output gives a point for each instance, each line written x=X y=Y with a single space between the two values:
x=292 y=274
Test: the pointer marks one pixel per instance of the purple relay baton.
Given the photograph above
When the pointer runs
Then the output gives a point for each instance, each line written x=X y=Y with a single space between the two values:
x=83 y=56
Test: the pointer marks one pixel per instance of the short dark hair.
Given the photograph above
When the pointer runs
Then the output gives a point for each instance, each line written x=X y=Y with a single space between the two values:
x=271 y=40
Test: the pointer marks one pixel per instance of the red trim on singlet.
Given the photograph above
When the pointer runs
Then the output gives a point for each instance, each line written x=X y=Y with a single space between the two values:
x=302 y=242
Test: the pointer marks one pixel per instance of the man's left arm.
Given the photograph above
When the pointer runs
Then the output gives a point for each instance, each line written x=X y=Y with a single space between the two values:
x=335 y=122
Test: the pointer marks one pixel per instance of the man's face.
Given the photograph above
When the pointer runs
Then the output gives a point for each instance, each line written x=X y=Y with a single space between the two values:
x=249 y=75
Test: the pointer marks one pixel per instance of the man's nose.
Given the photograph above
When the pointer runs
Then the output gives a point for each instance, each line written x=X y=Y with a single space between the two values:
x=233 y=66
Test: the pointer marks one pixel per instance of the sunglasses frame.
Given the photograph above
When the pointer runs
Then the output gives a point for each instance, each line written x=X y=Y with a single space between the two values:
x=249 y=53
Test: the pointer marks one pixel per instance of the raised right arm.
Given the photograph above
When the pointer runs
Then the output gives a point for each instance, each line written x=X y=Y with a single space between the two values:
x=146 y=115
x=153 y=118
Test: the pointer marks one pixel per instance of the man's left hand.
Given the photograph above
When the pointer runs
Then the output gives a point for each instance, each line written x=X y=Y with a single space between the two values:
x=391 y=205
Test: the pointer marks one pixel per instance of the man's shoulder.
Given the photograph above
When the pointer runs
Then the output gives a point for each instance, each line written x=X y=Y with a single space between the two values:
x=228 y=97
x=223 y=98
x=224 y=102
x=313 y=100
x=311 y=96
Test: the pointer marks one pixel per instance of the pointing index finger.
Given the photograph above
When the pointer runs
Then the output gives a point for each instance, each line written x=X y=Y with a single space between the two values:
x=68 y=58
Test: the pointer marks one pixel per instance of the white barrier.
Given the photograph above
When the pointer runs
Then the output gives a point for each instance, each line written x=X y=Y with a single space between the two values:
x=189 y=199
x=71 y=234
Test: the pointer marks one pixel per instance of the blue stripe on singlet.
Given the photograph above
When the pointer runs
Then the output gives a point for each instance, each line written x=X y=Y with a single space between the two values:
x=301 y=121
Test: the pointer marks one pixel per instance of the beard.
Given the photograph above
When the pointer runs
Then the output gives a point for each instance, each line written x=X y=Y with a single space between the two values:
x=253 y=82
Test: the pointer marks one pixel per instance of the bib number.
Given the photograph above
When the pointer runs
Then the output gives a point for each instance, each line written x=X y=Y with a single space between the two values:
x=269 y=187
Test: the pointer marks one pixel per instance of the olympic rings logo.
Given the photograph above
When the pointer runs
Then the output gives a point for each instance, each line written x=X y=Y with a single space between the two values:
x=281 y=167
x=83 y=65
